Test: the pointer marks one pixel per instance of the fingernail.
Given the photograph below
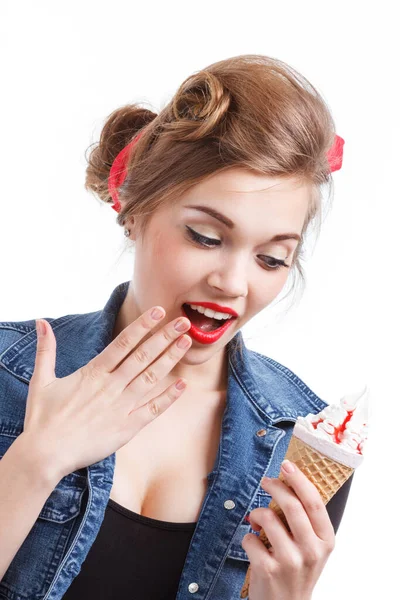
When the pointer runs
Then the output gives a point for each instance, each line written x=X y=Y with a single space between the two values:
x=40 y=328
x=266 y=479
x=181 y=325
x=157 y=314
x=287 y=466
x=180 y=384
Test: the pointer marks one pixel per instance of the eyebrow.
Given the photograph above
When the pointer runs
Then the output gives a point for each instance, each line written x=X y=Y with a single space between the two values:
x=226 y=221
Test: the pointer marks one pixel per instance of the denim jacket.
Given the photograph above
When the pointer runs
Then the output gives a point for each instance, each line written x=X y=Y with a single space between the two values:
x=264 y=399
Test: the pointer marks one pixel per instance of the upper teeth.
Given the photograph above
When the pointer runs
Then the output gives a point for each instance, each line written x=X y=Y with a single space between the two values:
x=210 y=313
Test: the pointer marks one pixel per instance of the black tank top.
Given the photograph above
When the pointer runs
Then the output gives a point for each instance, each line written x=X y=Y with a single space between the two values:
x=133 y=557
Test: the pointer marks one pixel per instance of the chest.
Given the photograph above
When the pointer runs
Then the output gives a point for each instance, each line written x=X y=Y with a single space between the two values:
x=162 y=472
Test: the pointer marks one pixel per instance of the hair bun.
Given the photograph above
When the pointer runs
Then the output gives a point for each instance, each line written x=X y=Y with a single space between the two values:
x=199 y=105
x=120 y=128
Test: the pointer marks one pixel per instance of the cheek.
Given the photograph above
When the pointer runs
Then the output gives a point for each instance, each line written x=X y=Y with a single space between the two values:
x=264 y=290
x=182 y=267
x=172 y=259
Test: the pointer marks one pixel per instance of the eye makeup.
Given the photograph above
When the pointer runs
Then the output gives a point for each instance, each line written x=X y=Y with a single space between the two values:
x=207 y=242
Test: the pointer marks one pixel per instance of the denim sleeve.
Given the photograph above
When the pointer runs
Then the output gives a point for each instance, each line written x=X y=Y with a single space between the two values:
x=337 y=503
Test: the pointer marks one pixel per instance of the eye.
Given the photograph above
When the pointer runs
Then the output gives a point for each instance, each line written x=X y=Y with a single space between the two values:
x=202 y=240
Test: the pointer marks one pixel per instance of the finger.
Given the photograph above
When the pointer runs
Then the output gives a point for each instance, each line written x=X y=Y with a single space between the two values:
x=126 y=341
x=312 y=502
x=45 y=359
x=311 y=512
x=141 y=359
x=277 y=534
x=293 y=509
x=142 y=416
x=259 y=557
x=141 y=385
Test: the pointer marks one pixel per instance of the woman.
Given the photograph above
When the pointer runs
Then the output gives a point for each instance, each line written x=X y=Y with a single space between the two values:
x=134 y=488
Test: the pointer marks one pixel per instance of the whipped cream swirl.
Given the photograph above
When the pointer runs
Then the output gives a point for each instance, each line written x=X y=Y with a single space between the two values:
x=345 y=424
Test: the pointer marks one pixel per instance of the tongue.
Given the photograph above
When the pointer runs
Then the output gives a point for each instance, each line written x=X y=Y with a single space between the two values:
x=201 y=321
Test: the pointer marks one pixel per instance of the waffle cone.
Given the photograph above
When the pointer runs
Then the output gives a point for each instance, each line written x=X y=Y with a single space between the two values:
x=326 y=474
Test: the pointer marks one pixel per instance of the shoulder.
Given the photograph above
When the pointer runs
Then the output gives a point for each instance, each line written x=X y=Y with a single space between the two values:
x=15 y=338
x=18 y=343
x=13 y=391
x=12 y=331
x=11 y=334
x=79 y=337
x=274 y=387
x=272 y=366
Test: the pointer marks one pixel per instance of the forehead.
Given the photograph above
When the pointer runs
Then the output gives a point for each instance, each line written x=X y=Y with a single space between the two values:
x=247 y=197
x=238 y=180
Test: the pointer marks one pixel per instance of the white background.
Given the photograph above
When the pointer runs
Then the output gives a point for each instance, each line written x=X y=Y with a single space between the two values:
x=65 y=67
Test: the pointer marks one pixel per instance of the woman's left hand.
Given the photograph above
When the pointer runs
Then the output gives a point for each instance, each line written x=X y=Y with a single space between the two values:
x=289 y=569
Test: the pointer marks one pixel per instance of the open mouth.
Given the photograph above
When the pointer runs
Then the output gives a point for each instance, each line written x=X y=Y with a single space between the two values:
x=201 y=321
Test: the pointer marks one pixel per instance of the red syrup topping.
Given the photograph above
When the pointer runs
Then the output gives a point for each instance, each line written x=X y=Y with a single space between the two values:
x=338 y=431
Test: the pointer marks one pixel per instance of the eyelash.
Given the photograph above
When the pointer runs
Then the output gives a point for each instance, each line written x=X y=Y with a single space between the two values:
x=210 y=242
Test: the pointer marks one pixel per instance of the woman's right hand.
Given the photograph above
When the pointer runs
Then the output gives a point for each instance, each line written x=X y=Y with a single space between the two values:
x=75 y=421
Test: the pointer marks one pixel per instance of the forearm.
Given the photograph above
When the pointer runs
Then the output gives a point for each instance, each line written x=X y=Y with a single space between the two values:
x=26 y=482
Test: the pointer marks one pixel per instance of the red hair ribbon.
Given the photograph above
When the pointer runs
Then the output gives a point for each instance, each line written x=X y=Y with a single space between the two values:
x=335 y=153
x=118 y=170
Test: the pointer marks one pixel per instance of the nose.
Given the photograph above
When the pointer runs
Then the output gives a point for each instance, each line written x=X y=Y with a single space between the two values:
x=230 y=276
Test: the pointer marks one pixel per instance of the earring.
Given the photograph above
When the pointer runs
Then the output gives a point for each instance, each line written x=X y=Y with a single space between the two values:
x=127 y=232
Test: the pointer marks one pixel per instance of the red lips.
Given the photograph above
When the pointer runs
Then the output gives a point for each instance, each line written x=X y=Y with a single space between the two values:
x=216 y=307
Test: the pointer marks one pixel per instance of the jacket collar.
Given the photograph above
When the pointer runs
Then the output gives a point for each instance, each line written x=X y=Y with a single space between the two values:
x=268 y=386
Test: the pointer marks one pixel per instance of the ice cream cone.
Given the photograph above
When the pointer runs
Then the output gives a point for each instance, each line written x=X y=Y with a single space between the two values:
x=326 y=474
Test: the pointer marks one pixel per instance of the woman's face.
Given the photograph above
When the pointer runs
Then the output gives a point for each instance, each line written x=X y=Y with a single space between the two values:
x=240 y=272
